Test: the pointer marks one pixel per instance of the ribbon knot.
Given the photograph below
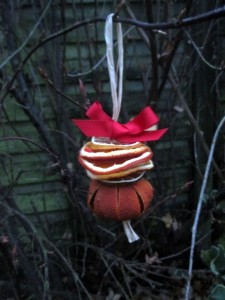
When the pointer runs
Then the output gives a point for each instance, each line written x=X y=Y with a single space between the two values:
x=136 y=130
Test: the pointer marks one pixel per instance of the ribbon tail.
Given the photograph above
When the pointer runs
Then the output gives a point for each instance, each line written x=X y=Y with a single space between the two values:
x=154 y=135
x=130 y=233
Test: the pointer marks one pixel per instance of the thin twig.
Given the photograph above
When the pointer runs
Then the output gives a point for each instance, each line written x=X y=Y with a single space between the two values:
x=199 y=206
x=97 y=65
x=194 y=124
x=187 y=248
x=32 y=31
x=153 y=91
x=30 y=228
x=44 y=75
x=201 y=56
x=43 y=148
x=75 y=276
x=173 y=48
x=210 y=15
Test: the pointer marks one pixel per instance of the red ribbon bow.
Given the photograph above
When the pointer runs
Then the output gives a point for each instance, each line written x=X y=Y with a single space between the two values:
x=136 y=130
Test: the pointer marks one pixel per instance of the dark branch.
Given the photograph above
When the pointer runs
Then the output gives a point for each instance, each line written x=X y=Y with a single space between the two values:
x=210 y=15
x=153 y=93
x=44 y=75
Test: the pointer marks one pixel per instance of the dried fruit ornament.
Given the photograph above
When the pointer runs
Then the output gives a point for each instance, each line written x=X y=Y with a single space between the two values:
x=116 y=157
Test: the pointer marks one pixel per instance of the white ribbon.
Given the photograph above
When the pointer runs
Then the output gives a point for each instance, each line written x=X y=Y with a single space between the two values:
x=115 y=74
x=130 y=233
x=116 y=83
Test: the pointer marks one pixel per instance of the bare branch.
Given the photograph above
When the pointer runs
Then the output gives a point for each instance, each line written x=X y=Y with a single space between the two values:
x=199 y=207
x=153 y=93
x=210 y=15
x=32 y=31
x=213 y=14
x=201 y=56
x=44 y=75
x=194 y=124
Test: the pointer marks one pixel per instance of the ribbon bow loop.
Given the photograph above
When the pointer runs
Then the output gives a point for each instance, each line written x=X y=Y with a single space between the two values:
x=144 y=120
x=136 y=130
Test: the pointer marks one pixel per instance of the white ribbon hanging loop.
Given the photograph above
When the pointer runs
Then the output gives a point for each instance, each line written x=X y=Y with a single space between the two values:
x=115 y=73
x=116 y=83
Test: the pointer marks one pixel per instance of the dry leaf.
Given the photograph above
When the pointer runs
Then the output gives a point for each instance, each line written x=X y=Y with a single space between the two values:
x=168 y=220
x=152 y=259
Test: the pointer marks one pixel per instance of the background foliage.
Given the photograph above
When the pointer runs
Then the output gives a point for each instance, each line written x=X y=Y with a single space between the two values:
x=52 y=65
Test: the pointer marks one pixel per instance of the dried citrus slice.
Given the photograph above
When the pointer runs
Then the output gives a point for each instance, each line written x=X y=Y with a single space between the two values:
x=115 y=166
x=107 y=144
x=87 y=152
x=121 y=174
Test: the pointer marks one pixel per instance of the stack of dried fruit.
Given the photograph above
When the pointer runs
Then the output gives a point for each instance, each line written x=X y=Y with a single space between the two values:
x=117 y=189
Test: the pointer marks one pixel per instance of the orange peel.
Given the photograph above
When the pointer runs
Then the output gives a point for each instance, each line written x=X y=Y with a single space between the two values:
x=111 y=201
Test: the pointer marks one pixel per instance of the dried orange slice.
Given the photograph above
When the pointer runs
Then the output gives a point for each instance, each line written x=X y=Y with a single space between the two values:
x=107 y=145
x=105 y=160
x=113 y=166
x=121 y=174
x=87 y=152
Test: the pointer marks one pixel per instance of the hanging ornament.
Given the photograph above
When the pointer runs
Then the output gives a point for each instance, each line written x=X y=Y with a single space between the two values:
x=116 y=158
x=120 y=201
